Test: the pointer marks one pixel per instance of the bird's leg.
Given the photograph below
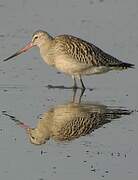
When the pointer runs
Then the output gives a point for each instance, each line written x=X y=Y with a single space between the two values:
x=82 y=92
x=74 y=95
x=82 y=84
x=75 y=83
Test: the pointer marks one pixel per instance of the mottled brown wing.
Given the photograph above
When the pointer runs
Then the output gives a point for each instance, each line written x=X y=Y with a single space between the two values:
x=85 y=52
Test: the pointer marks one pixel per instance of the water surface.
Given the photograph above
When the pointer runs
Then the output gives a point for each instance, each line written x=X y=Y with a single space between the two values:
x=110 y=152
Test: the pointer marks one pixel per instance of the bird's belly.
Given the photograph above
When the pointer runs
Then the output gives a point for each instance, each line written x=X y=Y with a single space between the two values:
x=75 y=68
x=68 y=66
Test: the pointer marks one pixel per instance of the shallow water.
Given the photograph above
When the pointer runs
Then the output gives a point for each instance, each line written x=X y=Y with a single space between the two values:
x=110 y=152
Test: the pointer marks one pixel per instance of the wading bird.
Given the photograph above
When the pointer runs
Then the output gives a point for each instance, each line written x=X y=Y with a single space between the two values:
x=73 y=56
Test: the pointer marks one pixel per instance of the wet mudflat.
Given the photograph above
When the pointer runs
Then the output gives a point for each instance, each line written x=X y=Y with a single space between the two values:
x=107 y=150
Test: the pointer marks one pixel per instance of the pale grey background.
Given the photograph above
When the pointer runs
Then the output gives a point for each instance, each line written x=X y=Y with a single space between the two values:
x=110 y=24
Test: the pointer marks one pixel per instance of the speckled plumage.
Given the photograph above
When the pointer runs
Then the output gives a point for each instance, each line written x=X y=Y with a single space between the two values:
x=77 y=57
x=84 y=52
x=72 y=120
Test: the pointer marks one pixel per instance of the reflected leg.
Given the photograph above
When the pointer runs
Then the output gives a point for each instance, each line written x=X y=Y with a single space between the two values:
x=82 y=92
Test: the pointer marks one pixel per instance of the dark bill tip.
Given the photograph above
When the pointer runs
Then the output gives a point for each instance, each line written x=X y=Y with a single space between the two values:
x=27 y=47
x=10 y=57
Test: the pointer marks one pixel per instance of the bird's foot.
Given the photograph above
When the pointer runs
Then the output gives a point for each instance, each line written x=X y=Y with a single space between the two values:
x=59 y=87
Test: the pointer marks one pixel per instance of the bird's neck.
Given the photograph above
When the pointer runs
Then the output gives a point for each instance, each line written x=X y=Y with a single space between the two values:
x=46 y=43
x=46 y=51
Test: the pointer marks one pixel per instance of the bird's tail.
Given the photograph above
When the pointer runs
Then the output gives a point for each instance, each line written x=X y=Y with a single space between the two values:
x=123 y=65
x=127 y=65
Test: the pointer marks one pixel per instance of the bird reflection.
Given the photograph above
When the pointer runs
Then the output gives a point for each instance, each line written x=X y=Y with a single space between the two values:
x=72 y=120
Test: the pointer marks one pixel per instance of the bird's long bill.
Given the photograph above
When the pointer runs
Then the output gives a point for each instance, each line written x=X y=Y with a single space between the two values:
x=27 y=47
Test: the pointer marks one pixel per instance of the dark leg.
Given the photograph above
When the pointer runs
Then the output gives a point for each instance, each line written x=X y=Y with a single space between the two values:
x=82 y=92
x=82 y=84
x=74 y=95
x=75 y=83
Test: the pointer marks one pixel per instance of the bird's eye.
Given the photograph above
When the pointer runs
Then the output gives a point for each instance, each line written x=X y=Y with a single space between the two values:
x=33 y=137
x=36 y=37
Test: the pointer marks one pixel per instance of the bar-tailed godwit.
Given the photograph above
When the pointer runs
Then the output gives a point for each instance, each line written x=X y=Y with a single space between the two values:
x=73 y=55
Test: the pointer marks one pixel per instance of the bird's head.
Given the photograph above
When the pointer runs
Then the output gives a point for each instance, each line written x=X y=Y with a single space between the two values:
x=36 y=136
x=39 y=38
